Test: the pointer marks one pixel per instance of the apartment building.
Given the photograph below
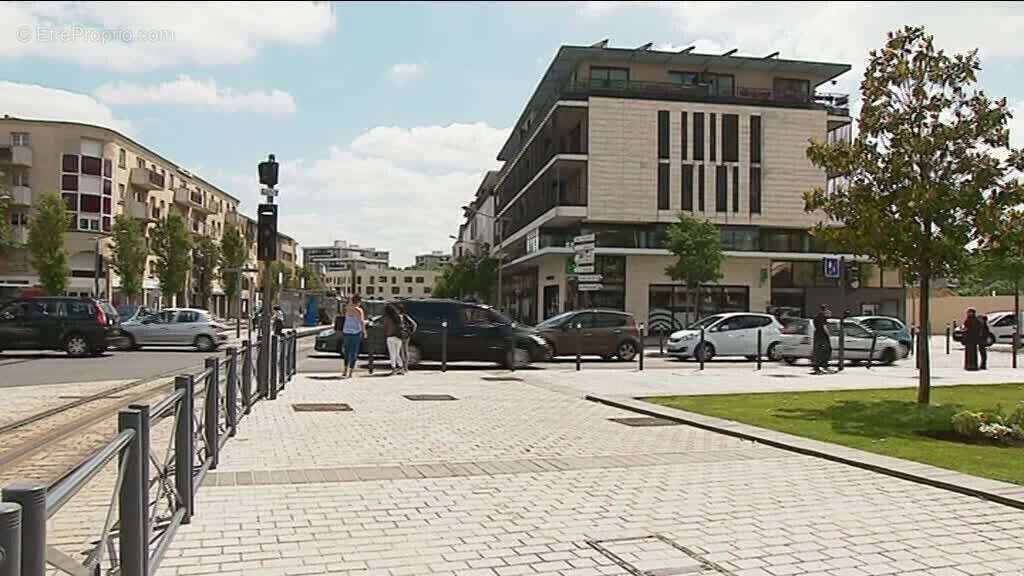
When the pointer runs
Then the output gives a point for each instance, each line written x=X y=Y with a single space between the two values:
x=385 y=283
x=100 y=173
x=252 y=283
x=343 y=256
x=476 y=233
x=617 y=142
x=433 y=261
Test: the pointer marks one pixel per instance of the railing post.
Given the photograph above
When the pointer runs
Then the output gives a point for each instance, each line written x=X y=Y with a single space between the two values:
x=231 y=390
x=184 y=446
x=282 y=361
x=641 y=351
x=759 y=344
x=32 y=499
x=131 y=507
x=272 y=350
x=144 y=431
x=210 y=411
x=579 y=329
x=10 y=539
x=947 y=339
x=262 y=378
x=699 y=350
x=246 y=376
x=295 y=353
x=444 y=346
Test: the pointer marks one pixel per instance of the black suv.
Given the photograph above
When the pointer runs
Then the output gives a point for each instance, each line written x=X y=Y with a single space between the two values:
x=79 y=326
x=475 y=333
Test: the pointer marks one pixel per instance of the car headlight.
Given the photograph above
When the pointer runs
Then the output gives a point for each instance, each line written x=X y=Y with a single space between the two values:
x=685 y=337
x=325 y=334
x=538 y=340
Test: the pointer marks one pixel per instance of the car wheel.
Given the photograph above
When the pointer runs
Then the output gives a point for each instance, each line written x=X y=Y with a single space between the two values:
x=991 y=340
x=414 y=356
x=888 y=356
x=129 y=343
x=520 y=358
x=76 y=345
x=204 y=343
x=627 y=351
x=789 y=360
x=704 y=351
x=773 y=352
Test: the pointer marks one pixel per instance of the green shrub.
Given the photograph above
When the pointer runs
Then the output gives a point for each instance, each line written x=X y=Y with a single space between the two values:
x=966 y=423
x=1016 y=419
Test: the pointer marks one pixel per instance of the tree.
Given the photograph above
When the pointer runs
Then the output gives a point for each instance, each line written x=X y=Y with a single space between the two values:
x=697 y=246
x=924 y=177
x=204 y=268
x=172 y=245
x=128 y=254
x=1002 y=258
x=467 y=276
x=46 y=243
x=233 y=254
x=280 y=270
x=313 y=281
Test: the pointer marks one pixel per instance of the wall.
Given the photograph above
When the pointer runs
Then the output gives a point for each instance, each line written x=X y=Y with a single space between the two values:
x=554 y=266
x=948 y=309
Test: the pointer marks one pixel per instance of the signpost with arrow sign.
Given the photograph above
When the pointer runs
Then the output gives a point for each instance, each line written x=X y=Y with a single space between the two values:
x=583 y=247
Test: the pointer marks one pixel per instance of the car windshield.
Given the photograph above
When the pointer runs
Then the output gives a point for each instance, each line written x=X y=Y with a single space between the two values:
x=556 y=321
x=705 y=322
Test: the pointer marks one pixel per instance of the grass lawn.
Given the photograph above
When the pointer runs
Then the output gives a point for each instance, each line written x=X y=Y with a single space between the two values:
x=884 y=421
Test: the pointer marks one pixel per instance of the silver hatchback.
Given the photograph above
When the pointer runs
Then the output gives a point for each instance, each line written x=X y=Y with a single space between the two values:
x=175 y=327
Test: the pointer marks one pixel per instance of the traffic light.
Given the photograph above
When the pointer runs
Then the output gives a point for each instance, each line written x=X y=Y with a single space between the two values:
x=268 y=172
x=853 y=275
x=266 y=233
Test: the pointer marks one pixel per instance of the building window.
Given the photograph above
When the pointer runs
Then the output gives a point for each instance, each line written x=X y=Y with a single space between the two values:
x=359 y=279
x=735 y=188
x=407 y=279
x=382 y=279
x=19 y=178
x=426 y=289
x=700 y=188
x=755 y=139
x=721 y=189
x=369 y=290
x=682 y=131
x=684 y=78
x=663 y=186
x=698 y=136
x=688 y=187
x=663 y=135
x=409 y=289
x=419 y=279
x=740 y=239
x=720 y=84
x=396 y=290
x=69 y=163
x=69 y=182
x=755 y=189
x=605 y=77
x=121 y=158
x=730 y=138
x=140 y=161
x=713 y=137
x=394 y=280
x=793 y=89
x=19 y=139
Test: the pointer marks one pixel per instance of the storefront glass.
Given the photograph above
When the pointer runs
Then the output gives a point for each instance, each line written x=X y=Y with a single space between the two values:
x=670 y=307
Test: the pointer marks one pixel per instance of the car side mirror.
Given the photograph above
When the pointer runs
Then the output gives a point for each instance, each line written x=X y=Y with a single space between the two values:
x=6 y=316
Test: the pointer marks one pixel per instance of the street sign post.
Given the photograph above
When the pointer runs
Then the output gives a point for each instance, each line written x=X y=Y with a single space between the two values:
x=584 y=239
x=584 y=258
x=589 y=287
x=832 y=266
x=584 y=268
x=588 y=278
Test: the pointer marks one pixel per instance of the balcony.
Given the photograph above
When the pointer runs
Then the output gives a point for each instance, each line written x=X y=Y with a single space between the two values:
x=192 y=199
x=20 y=195
x=137 y=209
x=146 y=179
x=16 y=156
x=19 y=235
x=563 y=184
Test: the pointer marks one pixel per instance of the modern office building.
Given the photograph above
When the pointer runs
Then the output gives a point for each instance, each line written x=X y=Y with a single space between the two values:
x=617 y=142
x=432 y=261
x=342 y=256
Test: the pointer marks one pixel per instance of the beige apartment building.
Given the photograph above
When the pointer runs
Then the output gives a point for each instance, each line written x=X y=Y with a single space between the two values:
x=617 y=142
x=384 y=283
x=476 y=233
x=101 y=173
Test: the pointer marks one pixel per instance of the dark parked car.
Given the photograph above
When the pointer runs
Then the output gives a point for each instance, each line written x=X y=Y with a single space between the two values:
x=79 y=326
x=475 y=333
x=604 y=333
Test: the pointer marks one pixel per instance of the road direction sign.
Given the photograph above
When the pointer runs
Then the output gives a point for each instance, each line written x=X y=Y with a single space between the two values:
x=588 y=278
x=831 y=264
x=578 y=248
x=584 y=239
x=584 y=258
x=589 y=287
x=584 y=268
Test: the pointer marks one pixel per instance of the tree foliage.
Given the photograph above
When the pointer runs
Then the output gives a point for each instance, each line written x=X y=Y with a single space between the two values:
x=697 y=247
x=233 y=254
x=467 y=276
x=280 y=276
x=204 y=268
x=926 y=175
x=171 y=243
x=312 y=279
x=128 y=254
x=46 y=230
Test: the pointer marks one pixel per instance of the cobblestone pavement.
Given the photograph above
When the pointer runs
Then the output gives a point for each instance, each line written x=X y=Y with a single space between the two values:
x=512 y=478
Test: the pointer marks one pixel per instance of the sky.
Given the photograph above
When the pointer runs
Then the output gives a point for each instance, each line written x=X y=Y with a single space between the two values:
x=385 y=116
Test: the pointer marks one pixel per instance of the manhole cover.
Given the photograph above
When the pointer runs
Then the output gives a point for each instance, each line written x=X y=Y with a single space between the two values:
x=321 y=408
x=501 y=378
x=644 y=421
x=429 y=397
x=655 y=556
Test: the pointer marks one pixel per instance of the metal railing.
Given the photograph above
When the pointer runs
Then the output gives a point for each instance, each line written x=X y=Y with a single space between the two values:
x=154 y=490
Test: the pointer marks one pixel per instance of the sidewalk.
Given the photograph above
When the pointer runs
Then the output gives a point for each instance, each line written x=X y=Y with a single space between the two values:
x=512 y=478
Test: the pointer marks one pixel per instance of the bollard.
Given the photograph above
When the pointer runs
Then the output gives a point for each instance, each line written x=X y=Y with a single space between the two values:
x=913 y=340
x=10 y=539
x=272 y=378
x=262 y=379
x=133 y=547
x=759 y=348
x=246 y=377
x=1016 y=344
x=292 y=352
x=842 y=342
x=661 y=342
x=444 y=345
x=231 y=390
x=145 y=428
x=32 y=499
x=579 y=328
x=699 y=350
x=947 y=339
x=184 y=447
x=282 y=363
x=641 y=351
x=210 y=425
x=871 y=353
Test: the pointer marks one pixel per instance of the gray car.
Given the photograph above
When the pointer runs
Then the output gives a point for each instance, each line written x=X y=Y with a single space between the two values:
x=175 y=327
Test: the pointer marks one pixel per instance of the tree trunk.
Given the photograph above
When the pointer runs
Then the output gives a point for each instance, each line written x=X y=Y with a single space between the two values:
x=1016 y=320
x=925 y=373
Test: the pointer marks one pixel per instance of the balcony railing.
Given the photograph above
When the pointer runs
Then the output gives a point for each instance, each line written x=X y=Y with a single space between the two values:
x=21 y=196
x=19 y=235
x=192 y=199
x=146 y=179
x=137 y=209
x=16 y=155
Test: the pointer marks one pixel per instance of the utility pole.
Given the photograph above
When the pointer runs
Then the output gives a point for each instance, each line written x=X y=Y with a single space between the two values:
x=97 y=270
x=267 y=253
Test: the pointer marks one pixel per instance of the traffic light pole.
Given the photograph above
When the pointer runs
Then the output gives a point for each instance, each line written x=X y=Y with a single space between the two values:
x=268 y=177
x=842 y=312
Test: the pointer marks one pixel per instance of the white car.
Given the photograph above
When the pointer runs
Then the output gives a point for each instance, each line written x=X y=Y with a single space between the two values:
x=798 y=342
x=1000 y=328
x=730 y=334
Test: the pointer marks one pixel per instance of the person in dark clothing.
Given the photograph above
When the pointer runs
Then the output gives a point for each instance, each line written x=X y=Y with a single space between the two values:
x=822 y=345
x=971 y=338
x=983 y=340
x=278 y=320
x=393 y=329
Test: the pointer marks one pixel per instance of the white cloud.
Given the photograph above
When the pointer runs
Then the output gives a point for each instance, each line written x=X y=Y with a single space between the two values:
x=41 y=102
x=599 y=9
x=151 y=35
x=404 y=73
x=1016 y=125
x=187 y=91
x=455 y=146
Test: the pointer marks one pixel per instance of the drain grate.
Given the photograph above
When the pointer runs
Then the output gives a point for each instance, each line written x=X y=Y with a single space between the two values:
x=644 y=421
x=321 y=407
x=430 y=397
x=656 y=555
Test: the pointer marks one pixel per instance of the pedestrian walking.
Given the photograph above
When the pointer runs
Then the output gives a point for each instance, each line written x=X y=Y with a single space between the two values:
x=409 y=327
x=278 y=320
x=984 y=337
x=821 y=343
x=393 y=333
x=353 y=332
x=972 y=335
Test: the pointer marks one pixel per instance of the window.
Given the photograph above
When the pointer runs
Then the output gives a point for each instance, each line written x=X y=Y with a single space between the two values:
x=793 y=89
x=700 y=188
x=472 y=316
x=713 y=137
x=187 y=317
x=409 y=289
x=19 y=178
x=91 y=165
x=69 y=183
x=394 y=279
x=19 y=139
x=721 y=189
x=140 y=161
x=121 y=158
x=730 y=138
x=737 y=238
x=735 y=188
x=755 y=189
x=369 y=290
x=407 y=279
x=120 y=192
x=601 y=76
x=71 y=202
x=687 y=186
x=684 y=78
x=720 y=84
x=359 y=279
x=108 y=168
x=419 y=279
x=80 y=309
x=682 y=131
x=698 y=136
x=663 y=134
x=755 y=139
x=1005 y=321
x=609 y=320
x=855 y=331
x=426 y=289
x=886 y=325
x=663 y=186
x=69 y=163
x=396 y=290
x=382 y=279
